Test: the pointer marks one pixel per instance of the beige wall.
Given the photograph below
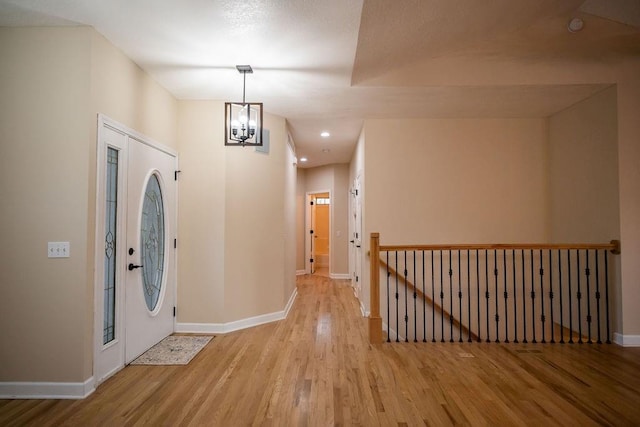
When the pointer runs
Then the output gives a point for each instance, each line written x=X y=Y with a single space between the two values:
x=201 y=212
x=340 y=217
x=125 y=93
x=254 y=226
x=54 y=82
x=45 y=147
x=457 y=181
x=583 y=153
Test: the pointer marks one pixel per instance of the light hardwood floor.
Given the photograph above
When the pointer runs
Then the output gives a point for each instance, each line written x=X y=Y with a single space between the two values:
x=317 y=368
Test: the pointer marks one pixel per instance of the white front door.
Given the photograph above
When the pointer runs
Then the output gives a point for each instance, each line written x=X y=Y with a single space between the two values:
x=151 y=225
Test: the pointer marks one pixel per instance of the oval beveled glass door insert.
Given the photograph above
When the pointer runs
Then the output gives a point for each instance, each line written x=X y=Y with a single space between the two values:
x=152 y=242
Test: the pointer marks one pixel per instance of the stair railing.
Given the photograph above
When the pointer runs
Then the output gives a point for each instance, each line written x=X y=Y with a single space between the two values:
x=491 y=292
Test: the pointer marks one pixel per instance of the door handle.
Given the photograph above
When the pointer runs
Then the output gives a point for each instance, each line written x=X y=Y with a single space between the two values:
x=133 y=267
x=357 y=246
x=351 y=241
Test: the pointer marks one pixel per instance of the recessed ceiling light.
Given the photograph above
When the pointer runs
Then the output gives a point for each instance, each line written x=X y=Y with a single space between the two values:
x=575 y=25
x=325 y=134
x=303 y=159
x=325 y=150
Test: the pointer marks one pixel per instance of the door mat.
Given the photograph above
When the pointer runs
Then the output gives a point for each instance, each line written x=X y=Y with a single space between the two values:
x=173 y=350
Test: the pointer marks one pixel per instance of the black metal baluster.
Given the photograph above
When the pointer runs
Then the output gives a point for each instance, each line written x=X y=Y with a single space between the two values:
x=515 y=297
x=587 y=272
x=441 y=303
x=606 y=290
x=397 y=301
x=524 y=298
x=478 y=291
x=486 y=287
x=506 y=295
x=415 y=300
x=560 y=292
x=450 y=300
x=406 y=305
x=433 y=301
x=388 y=301
x=459 y=297
x=424 y=304
x=598 y=295
x=469 y=294
x=533 y=300
x=570 y=298
x=495 y=274
x=542 y=317
x=553 y=325
x=579 y=295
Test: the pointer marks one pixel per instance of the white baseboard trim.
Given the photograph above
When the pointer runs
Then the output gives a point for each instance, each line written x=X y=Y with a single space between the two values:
x=364 y=312
x=339 y=276
x=626 y=340
x=46 y=390
x=223 y=328
x=301 y=272
x=292 y=299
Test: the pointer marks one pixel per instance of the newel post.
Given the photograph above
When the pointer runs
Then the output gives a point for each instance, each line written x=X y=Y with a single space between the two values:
x=375 y=321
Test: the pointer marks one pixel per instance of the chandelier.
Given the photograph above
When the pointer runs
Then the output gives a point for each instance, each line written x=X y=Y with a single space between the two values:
x=243 y=120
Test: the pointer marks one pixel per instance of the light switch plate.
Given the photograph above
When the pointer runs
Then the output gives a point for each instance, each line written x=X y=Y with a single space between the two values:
x=58 y=250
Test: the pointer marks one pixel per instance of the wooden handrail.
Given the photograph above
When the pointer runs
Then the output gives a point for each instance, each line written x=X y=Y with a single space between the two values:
x=613 y=246
x=429 y=300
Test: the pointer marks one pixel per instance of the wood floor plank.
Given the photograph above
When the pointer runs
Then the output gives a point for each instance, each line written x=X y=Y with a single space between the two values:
x=317 y=368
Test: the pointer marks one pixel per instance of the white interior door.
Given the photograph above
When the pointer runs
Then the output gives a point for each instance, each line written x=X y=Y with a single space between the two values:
x=312 y=235
x=151 y=225
x=357 y=236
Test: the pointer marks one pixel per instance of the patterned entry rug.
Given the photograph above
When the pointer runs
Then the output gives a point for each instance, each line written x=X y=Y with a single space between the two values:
x=173 y=350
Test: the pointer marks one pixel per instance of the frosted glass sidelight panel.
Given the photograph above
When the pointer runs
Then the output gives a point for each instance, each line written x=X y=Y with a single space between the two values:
x=108 y=333
x=152 y=242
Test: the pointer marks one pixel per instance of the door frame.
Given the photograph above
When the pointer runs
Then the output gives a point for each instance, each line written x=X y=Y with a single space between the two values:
x=307 y=228
x=356 y=243
x=121 y=244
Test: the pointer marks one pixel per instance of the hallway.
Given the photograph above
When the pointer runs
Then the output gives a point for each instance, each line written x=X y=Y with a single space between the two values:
x=317 y=368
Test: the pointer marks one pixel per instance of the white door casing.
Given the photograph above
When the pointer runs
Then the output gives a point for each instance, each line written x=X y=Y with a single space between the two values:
x=136 y=328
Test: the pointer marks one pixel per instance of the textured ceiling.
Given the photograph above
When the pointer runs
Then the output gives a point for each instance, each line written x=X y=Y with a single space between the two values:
x=330 y=64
